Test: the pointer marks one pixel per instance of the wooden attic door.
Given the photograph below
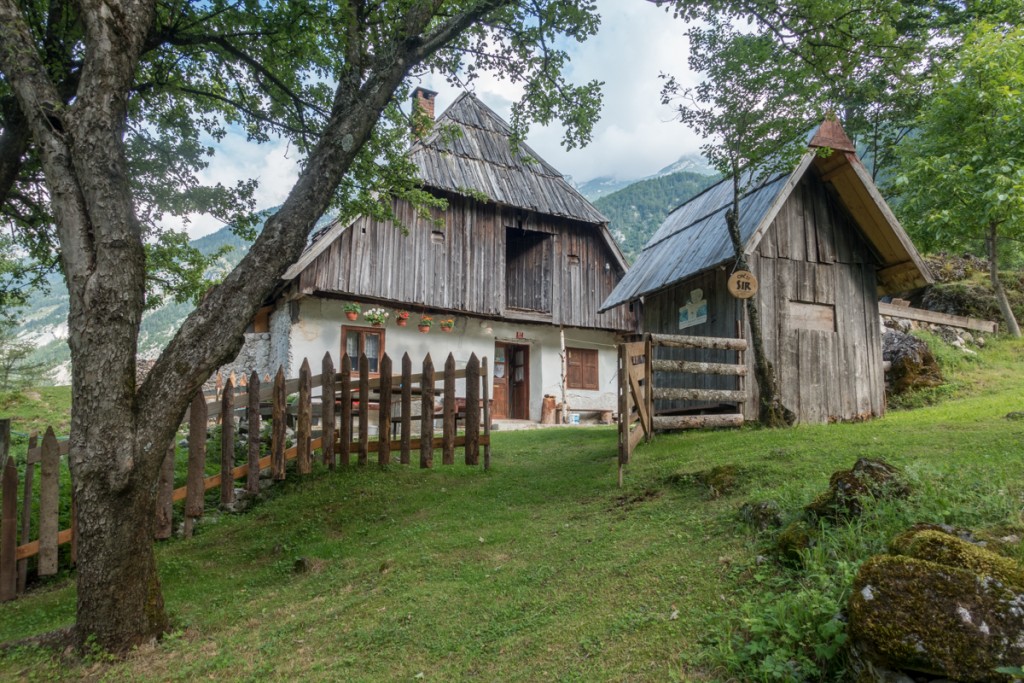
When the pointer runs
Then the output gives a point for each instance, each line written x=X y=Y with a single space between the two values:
x=529 y=270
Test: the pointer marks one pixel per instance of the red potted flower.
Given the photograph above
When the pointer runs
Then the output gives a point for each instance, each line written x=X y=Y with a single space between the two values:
x=402 y=318
x=447 y=324
x=352 y=310
x=425 y=323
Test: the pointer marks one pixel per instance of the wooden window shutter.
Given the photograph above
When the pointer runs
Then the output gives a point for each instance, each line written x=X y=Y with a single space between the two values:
x=581 y=369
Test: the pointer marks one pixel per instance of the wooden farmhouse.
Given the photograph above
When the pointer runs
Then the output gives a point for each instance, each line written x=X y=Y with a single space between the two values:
x=823 y=245
x=519 y=260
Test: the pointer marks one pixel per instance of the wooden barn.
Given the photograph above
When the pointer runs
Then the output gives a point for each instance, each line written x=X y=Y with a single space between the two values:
x=519 y=261
x=823 y=245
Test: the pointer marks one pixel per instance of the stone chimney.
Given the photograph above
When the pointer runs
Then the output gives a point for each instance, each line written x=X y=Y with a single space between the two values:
x=423 y=101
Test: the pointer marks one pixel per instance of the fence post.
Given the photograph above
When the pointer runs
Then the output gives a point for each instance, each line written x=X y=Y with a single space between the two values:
x=427 y=414
x=252 y=414
x=304 y=424
x=485 y=394
x=364 y=409
x=406 y=407
x=448 y=416
x=384 y=413
x=26 y=509
x=227 y=442
x=327 y=422
x=195 y=486
x=49 y=503
x=624 y=410
x=278 y=427
x=165 y=497
x=472 y=410
x=9 y=517
x=345 y=434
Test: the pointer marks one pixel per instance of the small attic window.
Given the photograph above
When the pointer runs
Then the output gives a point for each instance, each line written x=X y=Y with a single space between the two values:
x=437 y=236
x=574 y=260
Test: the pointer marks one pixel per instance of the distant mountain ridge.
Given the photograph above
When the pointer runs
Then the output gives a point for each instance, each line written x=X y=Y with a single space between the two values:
x=603 y=186
x=638 y=210
x=44 y=317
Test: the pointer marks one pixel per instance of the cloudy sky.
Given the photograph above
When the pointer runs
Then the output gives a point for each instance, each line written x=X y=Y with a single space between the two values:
x=636 y=136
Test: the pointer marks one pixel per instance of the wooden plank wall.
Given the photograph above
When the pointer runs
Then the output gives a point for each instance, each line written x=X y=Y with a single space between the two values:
x=814 y=254
x=458 y=272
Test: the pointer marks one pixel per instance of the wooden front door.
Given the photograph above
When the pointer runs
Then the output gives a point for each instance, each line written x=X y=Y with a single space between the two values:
x=511 y=382
x=499 y=408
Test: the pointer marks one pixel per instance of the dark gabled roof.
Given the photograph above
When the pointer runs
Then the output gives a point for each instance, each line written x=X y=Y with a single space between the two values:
x=695 y=236
x=479 y=159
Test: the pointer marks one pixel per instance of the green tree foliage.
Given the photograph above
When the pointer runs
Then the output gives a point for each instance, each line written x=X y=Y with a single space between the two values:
x=16 y=369
x=107 y=111
x=635 y=212
x=961 y=175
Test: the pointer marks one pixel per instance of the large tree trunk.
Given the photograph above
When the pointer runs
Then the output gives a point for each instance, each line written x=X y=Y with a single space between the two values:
x=120 y=432
x=991 y=241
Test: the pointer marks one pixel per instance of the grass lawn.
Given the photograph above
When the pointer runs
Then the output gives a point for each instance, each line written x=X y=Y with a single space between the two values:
x=542 y=569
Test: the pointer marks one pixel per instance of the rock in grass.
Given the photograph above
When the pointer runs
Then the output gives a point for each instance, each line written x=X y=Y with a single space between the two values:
x=942 y=606
x=721 y=480
x=762 y=515
x=912 y=364
x=797 y=537
x=847 y=490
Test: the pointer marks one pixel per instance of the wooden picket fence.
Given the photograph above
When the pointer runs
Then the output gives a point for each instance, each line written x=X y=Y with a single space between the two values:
x=403 y=401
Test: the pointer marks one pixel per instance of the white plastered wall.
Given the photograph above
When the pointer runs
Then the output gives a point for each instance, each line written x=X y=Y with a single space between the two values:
x=318 y=330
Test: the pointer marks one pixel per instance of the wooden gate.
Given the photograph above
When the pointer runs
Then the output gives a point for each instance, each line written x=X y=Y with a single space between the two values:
x=638 y=391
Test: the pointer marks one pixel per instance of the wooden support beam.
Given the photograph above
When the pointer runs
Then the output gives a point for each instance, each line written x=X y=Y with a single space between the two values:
x=936 y=318
x=710 y=395
x=697 y=421
x=691 y=342
x=699 y=368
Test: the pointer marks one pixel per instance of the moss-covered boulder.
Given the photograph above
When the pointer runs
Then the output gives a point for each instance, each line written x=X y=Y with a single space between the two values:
x=762 y=515
x=867 y=479
x=797 y=537
x=941 y=606
x=912 y=365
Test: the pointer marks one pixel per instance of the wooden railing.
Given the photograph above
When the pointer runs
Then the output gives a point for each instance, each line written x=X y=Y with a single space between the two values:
x=403 y=401
x=638 y=391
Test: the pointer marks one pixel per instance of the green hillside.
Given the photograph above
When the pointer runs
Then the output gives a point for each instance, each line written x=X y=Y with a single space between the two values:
x=635 y=212
x=543 y=569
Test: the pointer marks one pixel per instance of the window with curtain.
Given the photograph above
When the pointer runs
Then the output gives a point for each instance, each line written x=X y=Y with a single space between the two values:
x=360 y=340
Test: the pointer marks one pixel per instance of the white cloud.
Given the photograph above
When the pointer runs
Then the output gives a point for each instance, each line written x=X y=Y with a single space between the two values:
x=274 y=165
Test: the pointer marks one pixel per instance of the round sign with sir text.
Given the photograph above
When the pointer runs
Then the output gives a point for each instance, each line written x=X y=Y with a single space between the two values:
x=742 y=284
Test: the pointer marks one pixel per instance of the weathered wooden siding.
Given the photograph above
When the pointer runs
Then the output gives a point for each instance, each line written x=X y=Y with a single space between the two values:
x=813 y=255
x=465 y=271
x=661 y=315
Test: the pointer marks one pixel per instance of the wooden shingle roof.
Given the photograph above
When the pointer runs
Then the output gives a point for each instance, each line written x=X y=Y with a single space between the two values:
x=479 y=159
x=695 y=236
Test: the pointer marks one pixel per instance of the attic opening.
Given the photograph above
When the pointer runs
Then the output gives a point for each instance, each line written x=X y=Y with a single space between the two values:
x=529 y=269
